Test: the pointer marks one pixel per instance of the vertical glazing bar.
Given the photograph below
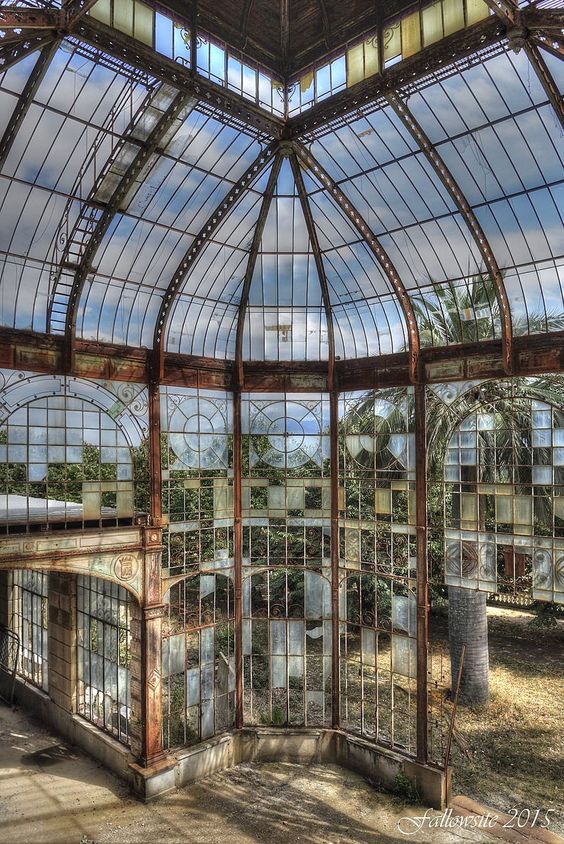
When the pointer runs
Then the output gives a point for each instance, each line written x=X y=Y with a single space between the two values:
x=422 y=574
x=156 y=512
x=335 y=662
x=238 y=555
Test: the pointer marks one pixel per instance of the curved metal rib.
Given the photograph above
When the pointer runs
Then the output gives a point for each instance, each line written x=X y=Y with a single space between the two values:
x=259 y=228
x=312 y=232
x=470 y=218
x=189 y=259
x=377 y=250
x=545 y=78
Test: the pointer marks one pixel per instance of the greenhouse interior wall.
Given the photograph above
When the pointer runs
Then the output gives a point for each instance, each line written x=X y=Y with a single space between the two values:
x=273 y=367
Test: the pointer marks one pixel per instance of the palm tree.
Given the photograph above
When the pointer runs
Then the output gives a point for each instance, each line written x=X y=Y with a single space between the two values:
x=465 y=314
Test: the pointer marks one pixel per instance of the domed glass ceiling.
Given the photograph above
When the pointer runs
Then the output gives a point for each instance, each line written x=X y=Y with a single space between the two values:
x=132 y=214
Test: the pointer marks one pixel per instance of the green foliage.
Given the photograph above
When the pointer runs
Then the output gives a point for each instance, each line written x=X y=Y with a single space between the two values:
x=547 y=615
x=277 y=719
x=405 y=789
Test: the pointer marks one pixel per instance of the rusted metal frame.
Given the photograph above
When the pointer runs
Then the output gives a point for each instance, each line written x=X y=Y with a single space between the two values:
x=146 y=150
x=238 y=440
x=238 y=552
x=155 y=460
x=422 y=570
x=18 y=17
x=549 y=43
x=377 y=250
x=478 y=234
x=506 y=10
x=545 y=78
x=26 y=98
x=547 y=20
x=454 y=708
x=333 y=442
x=200 y=241
x=194 y=39
x=13 y=51
x=257 y=236
x=75 y=9
x=335 y=562
x=139 y=55
x=312 y=232
x=534 y=354
x=543 y=26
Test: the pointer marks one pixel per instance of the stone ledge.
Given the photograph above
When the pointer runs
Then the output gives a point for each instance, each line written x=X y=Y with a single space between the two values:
x=278 y=744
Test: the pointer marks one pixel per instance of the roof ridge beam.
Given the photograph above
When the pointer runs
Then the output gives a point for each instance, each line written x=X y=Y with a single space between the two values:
x=377 y=250
x=199 y=242
x=469 y=217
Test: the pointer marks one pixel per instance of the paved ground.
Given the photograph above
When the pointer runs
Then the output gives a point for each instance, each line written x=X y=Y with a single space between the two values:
x=51 y=793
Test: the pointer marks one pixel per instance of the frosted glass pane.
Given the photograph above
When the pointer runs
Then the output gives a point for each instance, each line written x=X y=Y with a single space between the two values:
x=410 y=35
x=102 y=11
x=453 y=15
x=144 y=23
x=476 y=10
x=370 y=58
x=392 y=41
x=123 y=16
x=355 y=62
x=432 y=20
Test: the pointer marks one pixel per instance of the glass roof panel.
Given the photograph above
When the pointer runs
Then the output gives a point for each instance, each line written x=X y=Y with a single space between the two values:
x=457 y=312
x=367 y=316
x=285 y=317
x=60 y=164
x=491 y=123
x=508 y=160
x=370 y=327
x=536 y=297
x=42 y=182
x=203 y=315
x=116 y=311
x=402 y=198
x=165 y=208
x=15 y=78
x=76 y=86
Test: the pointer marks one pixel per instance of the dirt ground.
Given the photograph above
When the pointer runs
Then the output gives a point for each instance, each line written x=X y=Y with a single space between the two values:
x=512 y=750
x=53 y=794
x=510 y=754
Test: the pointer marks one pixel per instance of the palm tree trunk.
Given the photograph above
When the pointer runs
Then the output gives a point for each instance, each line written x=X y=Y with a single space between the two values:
x=467 y=622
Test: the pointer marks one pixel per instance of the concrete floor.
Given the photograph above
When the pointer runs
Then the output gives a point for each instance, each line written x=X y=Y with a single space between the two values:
x=53 y=794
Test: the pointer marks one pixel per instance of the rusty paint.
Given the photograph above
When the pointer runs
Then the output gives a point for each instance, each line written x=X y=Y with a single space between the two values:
x=422 y=572
x=238 y=554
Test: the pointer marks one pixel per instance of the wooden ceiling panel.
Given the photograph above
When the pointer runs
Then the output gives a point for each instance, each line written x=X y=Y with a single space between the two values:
x=316 y=27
